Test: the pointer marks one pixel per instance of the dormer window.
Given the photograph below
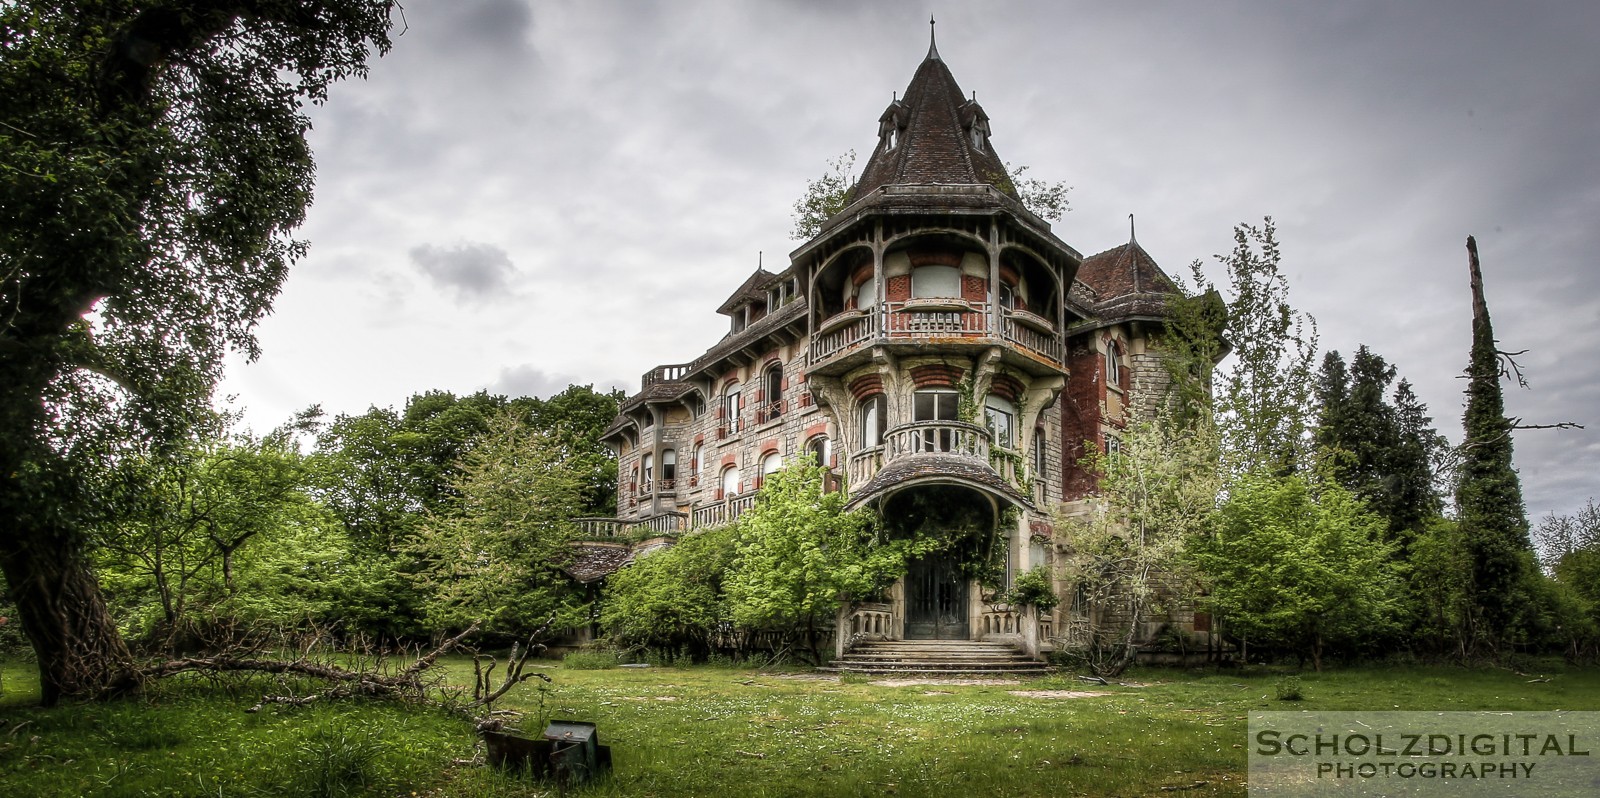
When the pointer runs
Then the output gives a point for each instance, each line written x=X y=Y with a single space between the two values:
x=980 y=133
x=889 y=131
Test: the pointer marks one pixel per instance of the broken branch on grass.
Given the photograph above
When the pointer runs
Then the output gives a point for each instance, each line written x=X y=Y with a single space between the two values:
x=365 y=682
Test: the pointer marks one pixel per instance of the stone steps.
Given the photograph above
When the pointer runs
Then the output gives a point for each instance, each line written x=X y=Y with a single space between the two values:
x=936 y=658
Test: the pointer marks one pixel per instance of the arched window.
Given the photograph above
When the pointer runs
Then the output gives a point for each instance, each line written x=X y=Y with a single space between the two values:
x=1041 y=465
x=698 y=465
x=772 y=386
x=669 y=467
x=1113 y=364
x=770 y=463
x=935 y=281
x=873 y=410
x=1001 y=416
x=730 y=481
x=730 y=408
x=821 y=450
x=648 y=462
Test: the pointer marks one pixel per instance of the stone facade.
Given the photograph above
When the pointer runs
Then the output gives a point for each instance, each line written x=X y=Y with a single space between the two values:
x=935 y=342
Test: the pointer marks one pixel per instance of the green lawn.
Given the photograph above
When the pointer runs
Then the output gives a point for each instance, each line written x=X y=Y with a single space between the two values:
x=705 y=731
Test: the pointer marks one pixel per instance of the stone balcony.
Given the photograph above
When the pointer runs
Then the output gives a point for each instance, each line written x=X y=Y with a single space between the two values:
x=932 y=321
x=932 y=450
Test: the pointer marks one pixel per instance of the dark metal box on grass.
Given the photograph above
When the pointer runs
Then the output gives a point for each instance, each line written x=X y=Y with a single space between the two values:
x=568 y=751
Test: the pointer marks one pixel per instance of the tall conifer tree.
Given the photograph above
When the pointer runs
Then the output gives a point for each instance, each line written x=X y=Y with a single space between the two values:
x=1493 y=521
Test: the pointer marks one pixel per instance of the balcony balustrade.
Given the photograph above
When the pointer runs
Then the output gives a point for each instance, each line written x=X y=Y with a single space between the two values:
x=925 y=319
x=670 y=373
x=668 y=523
x=920 y=437
x=720 y=512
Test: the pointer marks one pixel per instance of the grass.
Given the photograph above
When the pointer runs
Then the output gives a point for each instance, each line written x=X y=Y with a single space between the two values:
x=699 y=731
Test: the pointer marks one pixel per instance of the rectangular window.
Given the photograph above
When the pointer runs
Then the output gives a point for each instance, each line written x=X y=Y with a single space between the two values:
x=872 y=413
x=934 y=406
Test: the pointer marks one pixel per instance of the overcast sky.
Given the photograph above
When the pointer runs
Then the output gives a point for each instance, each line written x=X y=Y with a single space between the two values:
x=525 y=195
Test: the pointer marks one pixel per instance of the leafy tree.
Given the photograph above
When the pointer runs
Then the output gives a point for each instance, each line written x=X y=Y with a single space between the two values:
x=799 y=554
x=1128 y=556
x=824 y=197
x=1043 y=198
x=1263 y=398
x=1440 y=580
x=672 y=597
x=155 y=160
x=1489 y=508
x=203 y=511
x=498 y=557
x=1569 y=546
x=1298 y=564
x=575 y=418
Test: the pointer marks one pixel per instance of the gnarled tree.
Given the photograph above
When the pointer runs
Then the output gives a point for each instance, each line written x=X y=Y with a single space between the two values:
x=155 y=161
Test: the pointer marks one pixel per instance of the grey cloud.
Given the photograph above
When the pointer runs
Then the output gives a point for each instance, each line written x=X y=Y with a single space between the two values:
x=529 y=380
x=471 y=270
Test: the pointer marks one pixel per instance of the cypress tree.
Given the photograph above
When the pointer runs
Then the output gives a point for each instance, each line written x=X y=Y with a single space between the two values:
x=1489 y=508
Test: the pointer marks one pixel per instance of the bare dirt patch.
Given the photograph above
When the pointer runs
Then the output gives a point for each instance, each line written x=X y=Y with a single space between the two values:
x=937 y=681
x=1058 y=693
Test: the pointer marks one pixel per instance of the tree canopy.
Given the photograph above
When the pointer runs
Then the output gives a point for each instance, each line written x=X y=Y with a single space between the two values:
x=155 y=163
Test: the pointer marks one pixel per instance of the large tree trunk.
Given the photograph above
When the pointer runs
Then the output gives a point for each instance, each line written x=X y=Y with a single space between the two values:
x=80 y=651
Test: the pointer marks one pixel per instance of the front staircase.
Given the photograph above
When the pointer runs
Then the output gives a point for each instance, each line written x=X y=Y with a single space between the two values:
x=936 y=658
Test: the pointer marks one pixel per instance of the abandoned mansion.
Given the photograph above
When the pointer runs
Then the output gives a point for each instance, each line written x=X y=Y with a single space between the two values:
x=941 y=352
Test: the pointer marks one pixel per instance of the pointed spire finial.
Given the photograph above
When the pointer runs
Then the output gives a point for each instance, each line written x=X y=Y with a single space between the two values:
x=933 y=45
x=1132 y=239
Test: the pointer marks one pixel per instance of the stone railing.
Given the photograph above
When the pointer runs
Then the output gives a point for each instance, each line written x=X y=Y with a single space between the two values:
x=944 y=318
x=872 y=620
x=670 y=373
x=1025 y=336
x=669 y=523
x=836 y=337
x=721 y=512
x=864 y=465
x=937 y=437
x=934 y=318
x=601 y=527
x=1047 y=627
x=1000 y=621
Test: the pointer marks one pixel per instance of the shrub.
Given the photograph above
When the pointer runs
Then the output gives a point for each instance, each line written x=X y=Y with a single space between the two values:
x=1288 y=688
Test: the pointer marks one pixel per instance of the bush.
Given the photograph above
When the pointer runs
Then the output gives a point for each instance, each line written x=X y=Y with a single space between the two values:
x=1288 y=688
x=590 y=660
x=1032 y=587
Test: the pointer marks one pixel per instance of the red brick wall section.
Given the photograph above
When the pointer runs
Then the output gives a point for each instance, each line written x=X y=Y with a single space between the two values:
x=866 y=386
x=1080 y=420
x=934 y=257
x=1006 y=387
x=974 y=289
x=898 y=289
x=937 y=375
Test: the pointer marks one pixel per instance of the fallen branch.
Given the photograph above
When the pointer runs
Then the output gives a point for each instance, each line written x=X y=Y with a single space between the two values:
x=366 y=682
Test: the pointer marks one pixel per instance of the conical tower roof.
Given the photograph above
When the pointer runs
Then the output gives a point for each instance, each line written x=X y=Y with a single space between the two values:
x=933 y=134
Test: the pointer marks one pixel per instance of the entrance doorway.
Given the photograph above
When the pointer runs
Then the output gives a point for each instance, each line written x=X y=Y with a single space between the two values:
x=936 y=600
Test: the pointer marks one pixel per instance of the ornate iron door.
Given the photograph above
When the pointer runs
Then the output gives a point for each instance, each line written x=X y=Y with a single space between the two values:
x=936 y=601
